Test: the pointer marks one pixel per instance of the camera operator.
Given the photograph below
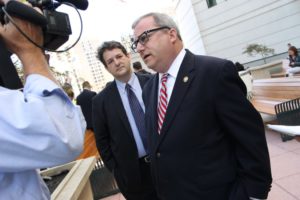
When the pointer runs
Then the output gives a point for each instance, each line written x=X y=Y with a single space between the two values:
x=40 y=127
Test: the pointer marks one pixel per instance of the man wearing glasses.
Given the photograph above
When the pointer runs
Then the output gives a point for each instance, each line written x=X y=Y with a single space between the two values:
x=206 y=139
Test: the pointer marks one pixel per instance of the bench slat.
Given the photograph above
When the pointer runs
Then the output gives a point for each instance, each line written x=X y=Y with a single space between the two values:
x=277 y=94
x=269 y=92
x=264 y=106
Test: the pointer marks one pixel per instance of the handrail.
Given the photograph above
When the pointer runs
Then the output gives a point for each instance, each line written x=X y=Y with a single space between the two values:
x=268 y=59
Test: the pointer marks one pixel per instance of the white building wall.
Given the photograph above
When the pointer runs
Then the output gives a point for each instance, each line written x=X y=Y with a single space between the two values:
x=187 y=23
x=227 y=28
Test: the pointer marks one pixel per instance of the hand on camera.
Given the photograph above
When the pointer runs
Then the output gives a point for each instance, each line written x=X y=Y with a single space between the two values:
x=15 y=41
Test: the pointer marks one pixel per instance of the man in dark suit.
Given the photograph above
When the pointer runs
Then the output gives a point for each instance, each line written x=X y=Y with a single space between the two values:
x=84 y=100
x=118 y=113
x=137 y=66
x=206 y=140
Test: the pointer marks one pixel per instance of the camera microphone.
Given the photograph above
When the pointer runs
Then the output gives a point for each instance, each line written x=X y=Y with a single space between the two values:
x=80 y=4
x=23 y=11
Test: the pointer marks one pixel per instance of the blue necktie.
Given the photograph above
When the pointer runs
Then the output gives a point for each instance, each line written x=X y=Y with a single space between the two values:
x=138 y=114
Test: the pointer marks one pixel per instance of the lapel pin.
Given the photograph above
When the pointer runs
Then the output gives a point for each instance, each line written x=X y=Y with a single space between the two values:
x=185 y=79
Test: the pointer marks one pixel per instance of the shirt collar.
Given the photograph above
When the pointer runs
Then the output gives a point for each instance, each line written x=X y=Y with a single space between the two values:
x=175 y=66
x=121 y=85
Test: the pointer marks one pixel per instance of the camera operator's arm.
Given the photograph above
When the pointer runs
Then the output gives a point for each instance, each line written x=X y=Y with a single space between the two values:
x=40 y=127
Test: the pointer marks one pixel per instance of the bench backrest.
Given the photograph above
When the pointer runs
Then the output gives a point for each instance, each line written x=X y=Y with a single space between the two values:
x=277 y=88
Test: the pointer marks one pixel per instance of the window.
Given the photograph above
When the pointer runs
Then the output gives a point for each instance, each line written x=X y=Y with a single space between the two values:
x=211 y=3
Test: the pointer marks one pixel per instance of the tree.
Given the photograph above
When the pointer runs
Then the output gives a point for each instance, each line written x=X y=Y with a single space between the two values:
x=126 y=41
x=19 y=67
x=20 y=72
x=255 y=49
x=60 y=77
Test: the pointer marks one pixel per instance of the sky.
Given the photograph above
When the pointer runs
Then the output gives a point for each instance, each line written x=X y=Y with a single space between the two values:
x=110 y=19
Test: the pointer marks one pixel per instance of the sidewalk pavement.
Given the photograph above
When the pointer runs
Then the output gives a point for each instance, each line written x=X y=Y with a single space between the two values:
x=285 y=164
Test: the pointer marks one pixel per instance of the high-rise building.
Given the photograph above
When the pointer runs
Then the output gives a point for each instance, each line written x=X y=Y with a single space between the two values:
x=98 y=74
x=81 y=64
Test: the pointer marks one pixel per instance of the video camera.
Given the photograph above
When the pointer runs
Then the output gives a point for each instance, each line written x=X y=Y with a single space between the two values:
x=56 y=29
x=56 y=25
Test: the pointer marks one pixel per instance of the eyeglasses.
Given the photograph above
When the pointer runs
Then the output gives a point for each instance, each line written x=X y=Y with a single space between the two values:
x=144 y=37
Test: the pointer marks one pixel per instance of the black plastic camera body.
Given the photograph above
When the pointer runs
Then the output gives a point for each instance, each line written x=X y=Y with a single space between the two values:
x=58 y=26
x=57 y=30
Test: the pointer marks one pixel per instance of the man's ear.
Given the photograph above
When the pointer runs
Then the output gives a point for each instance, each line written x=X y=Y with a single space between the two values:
x=173 y=35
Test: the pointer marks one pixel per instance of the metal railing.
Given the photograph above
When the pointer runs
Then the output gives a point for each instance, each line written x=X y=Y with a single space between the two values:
x=262 y=61
x=102 y=181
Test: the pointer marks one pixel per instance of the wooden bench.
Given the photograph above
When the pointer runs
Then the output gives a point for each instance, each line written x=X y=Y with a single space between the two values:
x=269 y=92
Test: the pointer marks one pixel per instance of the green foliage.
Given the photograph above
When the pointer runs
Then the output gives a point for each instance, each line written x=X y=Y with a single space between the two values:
x=60 y=77
x=19 y=68
x=21 y=74
x=258 y=49
x=254 y=49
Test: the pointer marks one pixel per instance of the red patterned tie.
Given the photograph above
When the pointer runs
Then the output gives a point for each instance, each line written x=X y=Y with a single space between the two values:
x=163 y=102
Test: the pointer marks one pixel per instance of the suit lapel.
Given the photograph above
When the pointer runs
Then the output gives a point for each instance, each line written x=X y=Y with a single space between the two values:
x=183 y=81
x=151 y=106
x=154 y=94
x=143 y=79
x=118 y=104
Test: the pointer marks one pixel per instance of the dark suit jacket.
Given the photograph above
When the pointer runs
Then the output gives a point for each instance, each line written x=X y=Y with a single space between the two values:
x=114 y=137
x=84 y=99
x=143 y=71
x=211 y=137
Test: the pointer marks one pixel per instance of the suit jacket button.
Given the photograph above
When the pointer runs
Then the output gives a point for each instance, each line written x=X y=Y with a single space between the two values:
x=158 y=155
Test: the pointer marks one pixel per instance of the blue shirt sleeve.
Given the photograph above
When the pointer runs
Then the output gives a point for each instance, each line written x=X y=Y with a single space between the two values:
x=39 y=127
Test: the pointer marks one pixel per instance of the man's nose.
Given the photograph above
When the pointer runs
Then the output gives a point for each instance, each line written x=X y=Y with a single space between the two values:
x=140 y=47
x=117 y=62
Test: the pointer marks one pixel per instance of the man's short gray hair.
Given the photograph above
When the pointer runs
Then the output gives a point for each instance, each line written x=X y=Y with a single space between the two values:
x=160 y=20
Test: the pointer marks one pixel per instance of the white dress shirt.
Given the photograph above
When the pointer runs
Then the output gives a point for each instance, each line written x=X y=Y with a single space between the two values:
x=173 y=72
x=136 y=88
x=39 y=128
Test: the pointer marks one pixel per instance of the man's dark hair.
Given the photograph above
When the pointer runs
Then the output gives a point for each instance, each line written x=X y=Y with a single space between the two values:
x=86 y=84
x=109 y=45
x=239 y=66
x=137 y=65
x=108 y=83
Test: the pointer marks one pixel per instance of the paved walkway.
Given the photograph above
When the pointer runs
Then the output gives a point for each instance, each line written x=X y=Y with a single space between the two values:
x=285 y=163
